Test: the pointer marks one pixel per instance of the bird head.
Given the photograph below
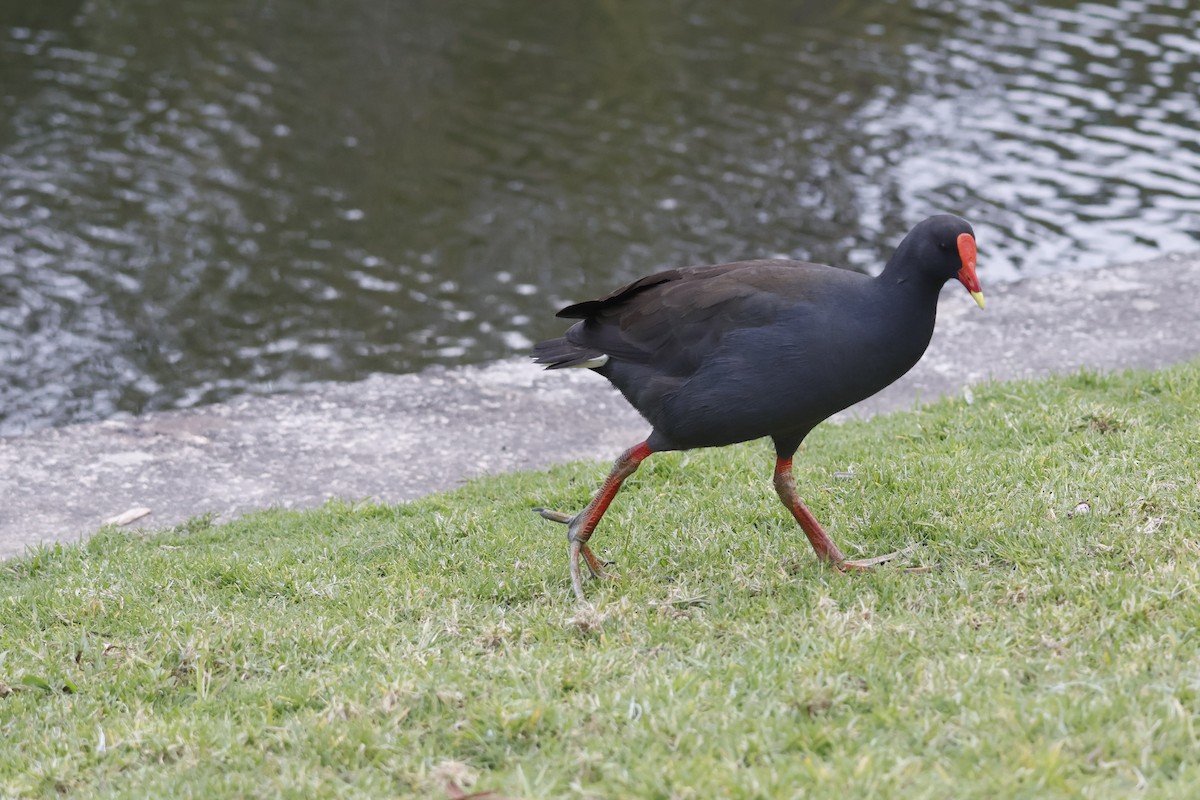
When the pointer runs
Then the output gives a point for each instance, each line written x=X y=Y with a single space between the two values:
x=938 y=249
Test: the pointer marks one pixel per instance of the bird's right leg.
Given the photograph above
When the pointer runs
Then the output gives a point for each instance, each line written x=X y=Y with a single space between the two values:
x=785 y=487
x=581 y=526
x=823 y=546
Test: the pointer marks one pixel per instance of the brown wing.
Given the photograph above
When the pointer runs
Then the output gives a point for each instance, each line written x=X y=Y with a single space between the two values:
x=673 y=319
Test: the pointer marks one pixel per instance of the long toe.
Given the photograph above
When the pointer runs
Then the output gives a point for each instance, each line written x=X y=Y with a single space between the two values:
x=848 y=566
x=594 y=564
x=863 y=564
x=554 y=516
x=576 y=578
x=859 y=565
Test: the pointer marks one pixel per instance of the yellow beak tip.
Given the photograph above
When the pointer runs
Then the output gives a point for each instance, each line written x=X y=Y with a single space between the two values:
x=978 y=298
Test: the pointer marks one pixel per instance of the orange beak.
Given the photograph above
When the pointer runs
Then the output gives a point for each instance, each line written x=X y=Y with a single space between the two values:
x=966 y=275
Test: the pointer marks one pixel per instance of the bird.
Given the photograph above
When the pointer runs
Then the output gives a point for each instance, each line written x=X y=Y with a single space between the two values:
x=715 y=355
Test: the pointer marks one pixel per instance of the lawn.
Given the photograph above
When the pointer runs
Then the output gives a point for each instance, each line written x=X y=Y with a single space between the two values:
x=435 y=648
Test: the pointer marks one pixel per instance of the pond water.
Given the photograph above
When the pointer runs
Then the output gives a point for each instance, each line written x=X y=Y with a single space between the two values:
x=211 y=197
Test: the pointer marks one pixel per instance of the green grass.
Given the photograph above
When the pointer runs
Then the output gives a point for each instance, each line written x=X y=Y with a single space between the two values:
x=368 y=651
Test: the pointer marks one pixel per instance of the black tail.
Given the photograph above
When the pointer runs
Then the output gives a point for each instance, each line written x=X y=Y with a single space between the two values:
x=559 y=353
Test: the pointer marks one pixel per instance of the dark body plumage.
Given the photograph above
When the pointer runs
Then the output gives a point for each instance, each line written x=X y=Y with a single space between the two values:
x=715 y=355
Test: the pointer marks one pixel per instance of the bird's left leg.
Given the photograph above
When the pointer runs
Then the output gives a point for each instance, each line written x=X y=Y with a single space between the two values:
x=785 y=487
x=581 y=526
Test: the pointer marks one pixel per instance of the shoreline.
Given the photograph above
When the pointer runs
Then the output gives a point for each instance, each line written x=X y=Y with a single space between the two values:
x=398 y=437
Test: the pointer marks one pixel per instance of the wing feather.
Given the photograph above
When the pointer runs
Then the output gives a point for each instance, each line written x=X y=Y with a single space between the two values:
x=674 y=319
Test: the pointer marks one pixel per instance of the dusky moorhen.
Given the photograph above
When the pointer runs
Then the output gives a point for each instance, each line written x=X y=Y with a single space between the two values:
x=721 y=354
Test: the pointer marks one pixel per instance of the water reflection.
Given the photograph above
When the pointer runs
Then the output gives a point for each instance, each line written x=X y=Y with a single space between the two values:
x=199 y=199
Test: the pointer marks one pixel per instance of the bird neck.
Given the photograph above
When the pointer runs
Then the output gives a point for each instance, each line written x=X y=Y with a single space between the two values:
x=907 y=290
x=910 y=305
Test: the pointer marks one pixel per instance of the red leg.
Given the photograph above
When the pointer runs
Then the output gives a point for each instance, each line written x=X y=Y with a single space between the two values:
x=785 y=487
x=581 y=526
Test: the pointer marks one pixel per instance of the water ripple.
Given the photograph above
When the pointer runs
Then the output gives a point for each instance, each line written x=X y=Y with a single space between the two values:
x=260 y=196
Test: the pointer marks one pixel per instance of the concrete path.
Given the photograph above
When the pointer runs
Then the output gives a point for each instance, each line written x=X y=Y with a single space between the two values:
x=394 y=438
